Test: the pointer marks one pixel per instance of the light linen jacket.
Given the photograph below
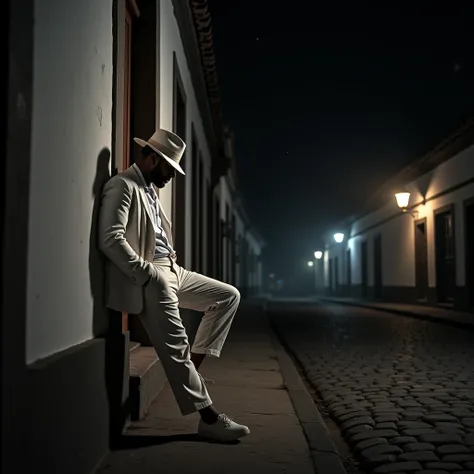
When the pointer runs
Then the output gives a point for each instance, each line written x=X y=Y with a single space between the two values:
x=127 y=238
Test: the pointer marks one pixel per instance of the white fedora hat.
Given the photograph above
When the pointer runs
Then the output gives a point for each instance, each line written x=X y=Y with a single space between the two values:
x=168 y=145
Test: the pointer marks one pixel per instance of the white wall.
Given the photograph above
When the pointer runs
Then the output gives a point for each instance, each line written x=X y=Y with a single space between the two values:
x=397 y=228
x=397 y=248
x=72 y=103
x=171 y=43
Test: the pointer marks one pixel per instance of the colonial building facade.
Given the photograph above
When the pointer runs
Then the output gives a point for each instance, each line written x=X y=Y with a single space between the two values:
x=415 y=242
x=84 y=78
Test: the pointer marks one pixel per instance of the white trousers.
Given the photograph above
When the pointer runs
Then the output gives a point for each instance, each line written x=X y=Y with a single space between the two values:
x=174 y=288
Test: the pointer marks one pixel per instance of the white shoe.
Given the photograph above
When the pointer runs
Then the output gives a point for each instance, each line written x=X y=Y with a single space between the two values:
x=224 y=429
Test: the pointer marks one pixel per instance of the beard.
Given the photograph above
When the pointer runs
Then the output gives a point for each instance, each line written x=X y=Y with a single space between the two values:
x=157 y=178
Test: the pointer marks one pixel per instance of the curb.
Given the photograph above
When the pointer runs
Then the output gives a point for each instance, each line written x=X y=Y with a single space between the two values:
x=409 y=314
x=325 y=456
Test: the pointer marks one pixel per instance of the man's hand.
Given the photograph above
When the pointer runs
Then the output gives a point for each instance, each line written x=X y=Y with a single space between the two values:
x=113 y=219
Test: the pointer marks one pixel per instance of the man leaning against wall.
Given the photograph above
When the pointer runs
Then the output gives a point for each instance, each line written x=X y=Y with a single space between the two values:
x=144 y=278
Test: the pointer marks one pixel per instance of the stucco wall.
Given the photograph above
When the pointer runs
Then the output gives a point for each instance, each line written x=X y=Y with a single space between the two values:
x=171 y=44
x=72 y=103
x=445 y=185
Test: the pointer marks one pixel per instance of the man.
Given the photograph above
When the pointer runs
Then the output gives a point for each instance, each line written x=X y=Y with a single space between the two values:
x=143 y=278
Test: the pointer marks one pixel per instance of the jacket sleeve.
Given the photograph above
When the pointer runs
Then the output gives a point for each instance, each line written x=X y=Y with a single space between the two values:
x=113 y=218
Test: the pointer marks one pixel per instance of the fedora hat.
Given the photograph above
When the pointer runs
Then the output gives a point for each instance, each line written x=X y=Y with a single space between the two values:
x=168 y=145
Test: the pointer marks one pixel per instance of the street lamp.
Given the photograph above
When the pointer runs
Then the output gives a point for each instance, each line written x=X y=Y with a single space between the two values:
x=338 y=237
x=403 y=198
x=310 y=263
x=318 y=255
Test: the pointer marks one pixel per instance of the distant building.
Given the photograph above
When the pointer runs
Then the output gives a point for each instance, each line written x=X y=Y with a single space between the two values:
x=84 y=78
x=423 y=255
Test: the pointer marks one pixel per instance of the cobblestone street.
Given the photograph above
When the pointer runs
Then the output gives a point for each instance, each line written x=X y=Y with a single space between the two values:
x=400 y=389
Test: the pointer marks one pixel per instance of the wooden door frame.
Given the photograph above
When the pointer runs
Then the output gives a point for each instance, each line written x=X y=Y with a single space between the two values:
x=131 y=12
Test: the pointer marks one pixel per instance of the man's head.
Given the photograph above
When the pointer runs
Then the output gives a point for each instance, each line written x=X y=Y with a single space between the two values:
x=155 y=168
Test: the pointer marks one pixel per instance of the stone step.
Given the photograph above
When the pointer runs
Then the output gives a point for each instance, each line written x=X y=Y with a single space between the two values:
x=133 y=345
x=147 y=379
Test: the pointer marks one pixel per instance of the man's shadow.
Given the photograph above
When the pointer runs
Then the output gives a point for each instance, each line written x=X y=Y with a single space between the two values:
x=96 y=258
x=106 y=323
x=131 y=441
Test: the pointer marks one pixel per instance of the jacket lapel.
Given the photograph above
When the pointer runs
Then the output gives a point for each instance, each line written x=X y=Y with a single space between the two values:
x=134 y=175
x=164 y=218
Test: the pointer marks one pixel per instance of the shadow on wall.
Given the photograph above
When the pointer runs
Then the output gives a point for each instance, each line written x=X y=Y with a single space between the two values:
x=424 y=183
x=107 y=323
x=96 y=258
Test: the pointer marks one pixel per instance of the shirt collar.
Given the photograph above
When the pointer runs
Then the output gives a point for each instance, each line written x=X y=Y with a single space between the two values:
x=140 y=174
x=148 y=188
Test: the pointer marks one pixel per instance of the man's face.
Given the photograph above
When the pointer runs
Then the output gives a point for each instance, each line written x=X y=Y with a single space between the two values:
x=161 y=172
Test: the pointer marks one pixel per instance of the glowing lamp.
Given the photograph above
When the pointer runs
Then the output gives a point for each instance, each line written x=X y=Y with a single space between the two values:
x=402 y=199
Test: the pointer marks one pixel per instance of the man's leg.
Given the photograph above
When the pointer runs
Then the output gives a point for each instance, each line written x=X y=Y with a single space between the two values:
x=219 y=302
x=165 y=329
x=163 y=324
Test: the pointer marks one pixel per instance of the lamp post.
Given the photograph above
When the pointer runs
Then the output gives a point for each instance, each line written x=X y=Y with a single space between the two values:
x=403 y=198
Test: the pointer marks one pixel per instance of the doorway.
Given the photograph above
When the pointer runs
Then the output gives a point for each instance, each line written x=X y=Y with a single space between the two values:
x=364 y=269
x=179 y=184
x=202 y=216
x=421 y=260
x=195 y=209
x=469 y=250
x=378 y=266
x=330 y=276
x=348 y=272
x=210 y=231
x=444 y=254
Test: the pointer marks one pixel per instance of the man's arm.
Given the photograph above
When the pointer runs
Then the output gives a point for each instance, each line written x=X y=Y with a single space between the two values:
x=113 y=218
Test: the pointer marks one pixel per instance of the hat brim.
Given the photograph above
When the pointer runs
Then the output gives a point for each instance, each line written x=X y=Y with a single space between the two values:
x=176 y=166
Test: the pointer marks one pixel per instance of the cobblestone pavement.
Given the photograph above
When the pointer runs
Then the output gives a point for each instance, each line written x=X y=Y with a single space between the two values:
x=400 y=389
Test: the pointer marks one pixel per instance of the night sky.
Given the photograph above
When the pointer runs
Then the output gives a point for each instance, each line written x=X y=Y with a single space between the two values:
x=328 y=100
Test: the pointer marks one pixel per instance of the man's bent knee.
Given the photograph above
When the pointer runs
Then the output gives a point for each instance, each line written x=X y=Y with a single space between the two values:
x=234 y=295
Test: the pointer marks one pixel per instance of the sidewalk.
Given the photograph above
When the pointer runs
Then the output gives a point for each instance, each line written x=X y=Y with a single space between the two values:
x=454 y=318
x=248 y=386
